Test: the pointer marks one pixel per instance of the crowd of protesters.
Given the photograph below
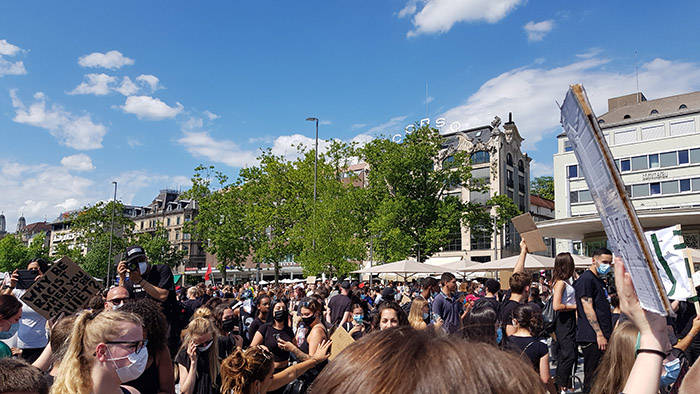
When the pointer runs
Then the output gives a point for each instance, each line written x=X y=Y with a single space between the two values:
x=147 y=335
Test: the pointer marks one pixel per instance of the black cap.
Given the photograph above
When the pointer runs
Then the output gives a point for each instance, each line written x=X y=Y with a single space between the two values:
x=135 y=253
x=355 y=283
x=345 y=285
x=388 y=292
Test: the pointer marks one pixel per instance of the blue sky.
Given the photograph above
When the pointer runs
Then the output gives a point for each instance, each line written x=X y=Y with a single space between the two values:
x=141 y=92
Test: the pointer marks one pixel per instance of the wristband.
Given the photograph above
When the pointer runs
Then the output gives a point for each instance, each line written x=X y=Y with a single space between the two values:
x=652 y=351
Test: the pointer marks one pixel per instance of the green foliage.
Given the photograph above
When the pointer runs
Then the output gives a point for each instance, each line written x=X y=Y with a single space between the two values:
x=407 y=192
x=13 y=253
x=36 y=248
x=158 y=248
x=543 y=186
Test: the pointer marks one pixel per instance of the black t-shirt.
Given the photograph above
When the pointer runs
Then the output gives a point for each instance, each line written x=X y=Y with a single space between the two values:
x=268 y=333
x=488 y=301
x=203 y=382
x=338 y=305
x=505 y=313
x=534 y=349
x=254 y=327
x=160 y=276
x=591 y=286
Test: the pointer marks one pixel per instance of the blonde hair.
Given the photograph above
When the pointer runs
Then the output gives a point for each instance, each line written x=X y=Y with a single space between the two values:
x=202 y=312
x=618 y=360
x=89 y=330
x=242 y=368
x=415 y=316
x=201 y=326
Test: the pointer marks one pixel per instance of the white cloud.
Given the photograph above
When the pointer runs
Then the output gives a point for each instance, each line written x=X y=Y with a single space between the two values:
x=11 y=68
x=97 y=84
x=131 y=183
x=394 y=125
x=362 y=139
x=76 y=131
x=7 y=49
x=438 y=16
x=530 y=93
x=79 y=162
x=193 y=124
x=151 y=80
x=537 y=31
x=133 y=142
x=538 y=169
x=127 y=87
x=202 y=145
x=325 y=122
x=211 y=115
x=358 y=126
x=111 y=60
x=146 y=107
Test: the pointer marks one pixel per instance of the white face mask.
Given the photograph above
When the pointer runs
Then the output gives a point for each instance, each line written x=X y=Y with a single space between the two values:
x=133 y=370
x=142 y=267
x=117 y=306
x=204 y=348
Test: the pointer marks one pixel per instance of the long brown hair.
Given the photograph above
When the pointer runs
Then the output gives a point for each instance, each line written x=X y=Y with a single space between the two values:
x=563 y=267
x=618 y=360
x=242 y=368
x=404 y=360
x=415 y=316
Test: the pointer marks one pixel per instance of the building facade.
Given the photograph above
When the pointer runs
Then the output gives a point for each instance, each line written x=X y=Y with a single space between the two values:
x=656 y=146
x=498 y=161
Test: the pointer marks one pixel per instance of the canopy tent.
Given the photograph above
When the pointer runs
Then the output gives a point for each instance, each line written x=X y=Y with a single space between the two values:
x=441 y=261
x=461 y=265
x=532 y=262
x=403 y=268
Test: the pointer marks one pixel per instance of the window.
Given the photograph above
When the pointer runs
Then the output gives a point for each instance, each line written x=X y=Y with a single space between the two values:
x=447 y=163
x=617 y=164
x=509 y=178
x=567 y=146
x=573 y=197
x=521 y=183
x=177 y=235
x=584 y=196
x=521 y=167
x=481 y=173
x=601 y=121
x=626 y=117
x=653 y=112
x=682 y=106
x=572 y=171
x=624 y=165
x=509 y=159
x=521 y=204
x=478 y=197
x=625 y=136
x=695 y=182
x=640 y=190
x=654 y=161
x=653 y=132
x=669 y=187
x=639 y=163
x=668 y=159
x=682 y=127
x=455 y=242
x=168 y=221
x=695 y=155
x=685 y=185
x=683 y=157
x=655 y=188
x=178 y=220
x=480 y=157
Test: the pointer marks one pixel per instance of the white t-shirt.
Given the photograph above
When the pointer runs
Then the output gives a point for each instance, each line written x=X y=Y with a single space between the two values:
x=32 y=326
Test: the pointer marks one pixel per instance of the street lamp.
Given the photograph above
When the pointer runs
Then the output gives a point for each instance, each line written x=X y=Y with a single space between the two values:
x=111 y=235
x=313 y=241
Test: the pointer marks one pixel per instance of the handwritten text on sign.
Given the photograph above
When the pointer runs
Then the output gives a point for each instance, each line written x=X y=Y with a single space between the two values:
x=64 y=288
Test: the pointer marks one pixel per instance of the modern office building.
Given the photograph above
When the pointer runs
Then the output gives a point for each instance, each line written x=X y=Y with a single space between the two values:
x=656 y=146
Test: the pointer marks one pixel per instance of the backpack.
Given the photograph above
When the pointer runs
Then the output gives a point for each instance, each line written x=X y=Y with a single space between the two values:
x=549 y=316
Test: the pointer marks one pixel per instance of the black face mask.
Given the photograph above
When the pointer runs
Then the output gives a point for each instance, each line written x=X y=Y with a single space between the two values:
x=280 y=316
x=308 y=320
x=228 y=324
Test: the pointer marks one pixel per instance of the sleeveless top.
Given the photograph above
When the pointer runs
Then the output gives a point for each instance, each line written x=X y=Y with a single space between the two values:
x=569 y=295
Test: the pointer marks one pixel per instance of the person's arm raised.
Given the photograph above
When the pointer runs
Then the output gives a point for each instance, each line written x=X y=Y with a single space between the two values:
x=653 y=343
x=520 y=264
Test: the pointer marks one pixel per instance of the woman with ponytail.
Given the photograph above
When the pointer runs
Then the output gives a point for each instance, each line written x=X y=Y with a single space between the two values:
x=105 y=350
x=527 y=321
x=251 y=371
x=198 y=360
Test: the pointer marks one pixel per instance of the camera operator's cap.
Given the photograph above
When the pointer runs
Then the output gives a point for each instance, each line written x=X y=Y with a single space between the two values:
x=345 y=285
x=388 y=292
x=135 y=253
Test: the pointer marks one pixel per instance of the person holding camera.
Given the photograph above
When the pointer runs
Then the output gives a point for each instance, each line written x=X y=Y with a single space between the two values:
x=31 y=335
x=151 y=281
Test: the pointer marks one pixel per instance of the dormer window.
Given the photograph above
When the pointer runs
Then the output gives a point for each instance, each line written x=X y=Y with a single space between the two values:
x=627 y=117
x=653 y=112
x=683 y=106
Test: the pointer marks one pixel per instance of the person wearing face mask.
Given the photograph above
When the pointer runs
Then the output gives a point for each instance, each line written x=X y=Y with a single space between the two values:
x=105 y=350
x=276 y=327
x=226 y=322
x=151 y=281
x=419 y=315
x=116 y=297
x=198 y=361
x=594 y=324
x=358 y=326
x=158 y=376
x=10 y=313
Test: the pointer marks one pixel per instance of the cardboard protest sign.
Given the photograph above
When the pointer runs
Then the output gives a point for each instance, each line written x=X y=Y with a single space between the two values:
x=64 y=288
x=405 y=300
x=669 y=256
x=614 y=206
x=310 y=279
x=341 y=339
x=528 y=231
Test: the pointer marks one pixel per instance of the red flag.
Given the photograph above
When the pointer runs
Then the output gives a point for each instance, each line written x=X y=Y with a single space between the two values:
x=206 y=276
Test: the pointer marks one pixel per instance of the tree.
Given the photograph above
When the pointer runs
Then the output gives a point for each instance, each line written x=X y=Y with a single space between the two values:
x=37 y=248
x=543 y=186
x=13 y=253
x=220 y=221
x=408 y=185
x=158 y=248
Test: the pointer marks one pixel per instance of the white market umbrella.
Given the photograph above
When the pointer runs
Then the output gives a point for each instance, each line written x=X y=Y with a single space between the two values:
x=404 y=268
x=532 y=262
